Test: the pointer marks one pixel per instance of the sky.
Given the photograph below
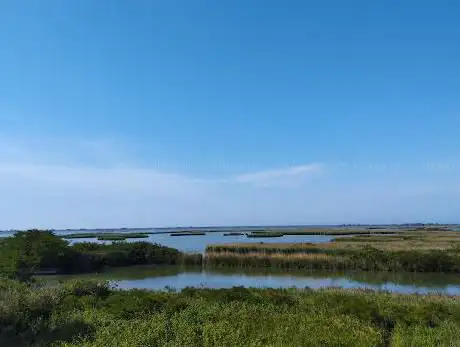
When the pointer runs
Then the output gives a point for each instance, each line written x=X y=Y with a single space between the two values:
x=191 y=113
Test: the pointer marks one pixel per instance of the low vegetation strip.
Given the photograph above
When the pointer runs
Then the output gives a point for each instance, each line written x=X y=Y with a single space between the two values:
x=233 y=233
x=188 y=233
x=264 y=234
x=91 y=314
x=338 y=232
x=111 y=238
x=105 y=234
x=438 y=240
x=328 y=231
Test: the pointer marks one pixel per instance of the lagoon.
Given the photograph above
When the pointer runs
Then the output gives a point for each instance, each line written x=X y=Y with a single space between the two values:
x=198 y=243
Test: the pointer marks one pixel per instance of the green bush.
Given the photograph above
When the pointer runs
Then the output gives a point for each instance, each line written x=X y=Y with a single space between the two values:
x=447 y=334
x=81 y=313
x=28 y=252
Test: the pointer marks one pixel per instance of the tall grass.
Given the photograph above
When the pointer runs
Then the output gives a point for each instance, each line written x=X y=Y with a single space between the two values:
x=269 y=248
x=308 y=261
x=322 y=256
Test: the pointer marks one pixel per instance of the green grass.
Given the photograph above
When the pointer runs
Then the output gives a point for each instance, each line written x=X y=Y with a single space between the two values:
x=90 y=314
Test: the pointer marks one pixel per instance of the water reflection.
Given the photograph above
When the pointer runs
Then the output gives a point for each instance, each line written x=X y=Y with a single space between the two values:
x=158 y=278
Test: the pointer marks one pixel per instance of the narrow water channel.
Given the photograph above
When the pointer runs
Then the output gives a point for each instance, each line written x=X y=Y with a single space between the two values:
x=159 y=278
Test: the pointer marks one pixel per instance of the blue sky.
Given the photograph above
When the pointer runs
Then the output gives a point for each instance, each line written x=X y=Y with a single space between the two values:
x=165 y=113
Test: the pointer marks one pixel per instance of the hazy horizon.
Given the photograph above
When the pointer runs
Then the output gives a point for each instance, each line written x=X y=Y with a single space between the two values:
x=206 y=227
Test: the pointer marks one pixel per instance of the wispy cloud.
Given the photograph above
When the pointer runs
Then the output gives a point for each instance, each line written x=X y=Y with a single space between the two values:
x=57 y=187
x=280 y=177
x=72 y=162
x=115 y=180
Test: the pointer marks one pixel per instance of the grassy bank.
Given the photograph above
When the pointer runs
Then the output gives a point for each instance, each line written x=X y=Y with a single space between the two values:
x=92 y=314
x=439 y=253
x=339 y=232
x=420 y=240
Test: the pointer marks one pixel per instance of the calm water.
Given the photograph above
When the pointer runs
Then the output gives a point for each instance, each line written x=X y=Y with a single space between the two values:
x=173 y=277
x=198 y=243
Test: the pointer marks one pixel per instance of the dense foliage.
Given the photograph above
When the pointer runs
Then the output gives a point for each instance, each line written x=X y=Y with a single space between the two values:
x=92 y=314
x=31 y=250
x=134 y=253
x=28 y=252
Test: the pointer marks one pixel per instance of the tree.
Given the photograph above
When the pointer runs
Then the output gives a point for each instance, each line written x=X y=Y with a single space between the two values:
x=27 y=251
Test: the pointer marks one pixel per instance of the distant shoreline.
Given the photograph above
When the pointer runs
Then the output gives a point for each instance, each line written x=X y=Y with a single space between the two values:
x=159 y=230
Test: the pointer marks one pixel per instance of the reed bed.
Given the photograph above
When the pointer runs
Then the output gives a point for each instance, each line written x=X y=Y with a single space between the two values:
x=308 y=261
x=282 y=248
x=329 y=256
